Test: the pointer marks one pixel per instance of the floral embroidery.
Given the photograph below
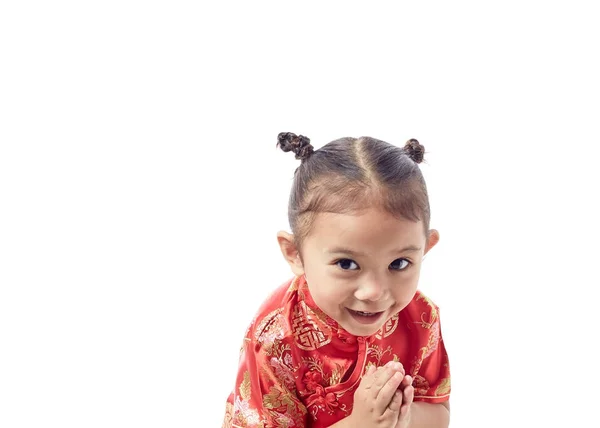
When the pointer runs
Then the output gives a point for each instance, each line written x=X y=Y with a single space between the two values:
x=434 y=339
x=315 y=381
x=298 y=367
x=283 y=372
x=433 y=313
x=245 y=391
x=424 y=352
x=281 y=363
x=368 y=366
x=312 y=380
x=417 y=361
x=312 y=375
x=280 y=401
x=321 y=401
x=421 y=385
x=283 y=421
x=244 y=414
x=378 y=353
x=228 y=416
x=270 y=329
x=444 y=387
x=336 y=375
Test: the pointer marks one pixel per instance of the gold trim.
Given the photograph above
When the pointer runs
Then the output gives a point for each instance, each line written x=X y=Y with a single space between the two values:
x=432 y=396
x=388 y=328
x=309 y=333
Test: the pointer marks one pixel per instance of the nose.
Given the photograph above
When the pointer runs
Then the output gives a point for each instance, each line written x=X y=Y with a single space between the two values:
x=372 y=289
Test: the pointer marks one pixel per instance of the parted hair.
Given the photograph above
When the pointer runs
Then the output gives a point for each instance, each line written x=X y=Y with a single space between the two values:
x=352 y=174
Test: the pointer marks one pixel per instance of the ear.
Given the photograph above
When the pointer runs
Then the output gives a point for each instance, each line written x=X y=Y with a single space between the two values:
x=433 y=237
x=290 y=252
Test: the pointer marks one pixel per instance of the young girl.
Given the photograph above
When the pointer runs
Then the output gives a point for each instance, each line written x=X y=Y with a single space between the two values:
x=349 y=341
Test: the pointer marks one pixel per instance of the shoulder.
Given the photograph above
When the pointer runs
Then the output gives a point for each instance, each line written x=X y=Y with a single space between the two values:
x=422 y=311
x=269 y=322
x=421 y=301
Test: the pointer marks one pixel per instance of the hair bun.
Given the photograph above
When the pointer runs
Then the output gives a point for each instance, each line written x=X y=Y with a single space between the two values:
x=299 y=144
x=414 y=150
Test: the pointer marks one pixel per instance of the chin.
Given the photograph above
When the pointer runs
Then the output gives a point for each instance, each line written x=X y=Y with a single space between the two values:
x=362 y=330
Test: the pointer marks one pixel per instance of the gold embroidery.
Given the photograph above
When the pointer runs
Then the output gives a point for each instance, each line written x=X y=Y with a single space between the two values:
x=244 y=414
x=245 y=392
x=418 y=361
x=276 y=399
x=228 y=416
x=266 y=323
x=271 y=330
x=433 y=313
x=420 y=384
x=283 y=407
x=444 y=387
x=294 y=284
x=322 y=316
x=272 y=399
x=378 y=353
x=278 y=349
x=388 y=328
x=247 y=338
x=315 y=365
x=344 y=408
x=336 y=375
x=433 y=340
x=310 y=335
x=281 y=364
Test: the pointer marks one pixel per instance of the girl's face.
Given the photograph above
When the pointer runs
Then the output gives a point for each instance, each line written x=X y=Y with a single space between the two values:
x=363 y=268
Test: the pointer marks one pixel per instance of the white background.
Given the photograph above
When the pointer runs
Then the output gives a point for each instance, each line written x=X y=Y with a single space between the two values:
x=140 y=193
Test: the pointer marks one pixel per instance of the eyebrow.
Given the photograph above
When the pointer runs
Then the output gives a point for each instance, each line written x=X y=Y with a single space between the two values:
x=341 y=250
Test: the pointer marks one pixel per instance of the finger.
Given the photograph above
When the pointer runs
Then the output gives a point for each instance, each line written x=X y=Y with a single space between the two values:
x=368 y=378
x=387 y=393
x=386 y=372
x=393 y=410
x=396 y=401
x=408 y=395
x=407 y=381
x=381 y=377
x=397 y=365
x=407 y=400
x=400 y=368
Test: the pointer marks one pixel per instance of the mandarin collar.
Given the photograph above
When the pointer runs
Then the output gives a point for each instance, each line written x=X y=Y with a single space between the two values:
x=341 y=337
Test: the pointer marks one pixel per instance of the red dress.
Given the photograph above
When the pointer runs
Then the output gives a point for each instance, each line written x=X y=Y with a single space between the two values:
x=299 y=368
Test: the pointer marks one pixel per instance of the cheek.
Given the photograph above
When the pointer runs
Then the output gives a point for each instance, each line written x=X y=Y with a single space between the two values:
x=328 y=292
x=331 y=291
x=406 y=289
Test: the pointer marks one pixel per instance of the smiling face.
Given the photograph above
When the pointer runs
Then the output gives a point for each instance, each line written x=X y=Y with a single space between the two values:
x=360 y=268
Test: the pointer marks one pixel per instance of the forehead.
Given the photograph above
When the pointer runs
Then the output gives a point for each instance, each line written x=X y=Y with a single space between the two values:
x=367 y=230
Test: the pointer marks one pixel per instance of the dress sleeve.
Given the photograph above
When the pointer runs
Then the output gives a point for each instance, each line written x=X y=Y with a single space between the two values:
x=432 y=378
x=265 y=394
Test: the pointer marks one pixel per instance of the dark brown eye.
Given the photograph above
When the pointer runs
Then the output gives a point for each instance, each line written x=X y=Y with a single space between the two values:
x=347 y=264
x=399 y=264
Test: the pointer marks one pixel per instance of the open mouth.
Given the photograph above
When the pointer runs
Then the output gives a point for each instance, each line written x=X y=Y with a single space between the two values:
x=365 y=317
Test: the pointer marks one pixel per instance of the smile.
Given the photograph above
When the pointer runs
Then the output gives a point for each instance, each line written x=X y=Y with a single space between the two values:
x=365 y=317
x=366 y=314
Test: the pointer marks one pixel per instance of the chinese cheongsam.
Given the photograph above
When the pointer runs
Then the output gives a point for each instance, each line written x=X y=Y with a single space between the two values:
x=299 y=368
